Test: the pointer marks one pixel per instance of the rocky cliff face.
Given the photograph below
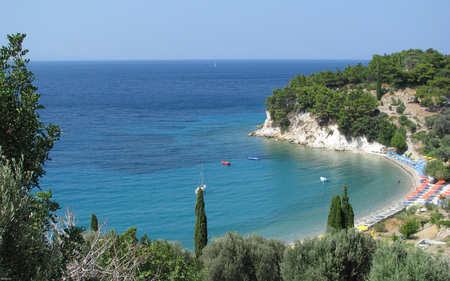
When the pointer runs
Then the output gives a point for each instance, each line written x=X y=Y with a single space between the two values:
x=305 y=130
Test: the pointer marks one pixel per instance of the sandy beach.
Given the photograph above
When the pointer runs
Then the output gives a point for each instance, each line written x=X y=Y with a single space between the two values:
x=393 y=208
x=407 y=168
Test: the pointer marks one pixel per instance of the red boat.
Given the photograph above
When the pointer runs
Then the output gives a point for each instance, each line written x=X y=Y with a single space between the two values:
x=226 y=163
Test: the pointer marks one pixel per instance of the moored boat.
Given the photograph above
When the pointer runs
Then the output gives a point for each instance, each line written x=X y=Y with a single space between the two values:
x=324 y=179
x=226 y=163
x=202 y=185
x=253 y=158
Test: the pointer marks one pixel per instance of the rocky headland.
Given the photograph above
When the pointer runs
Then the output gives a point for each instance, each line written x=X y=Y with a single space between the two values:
x=305 y=130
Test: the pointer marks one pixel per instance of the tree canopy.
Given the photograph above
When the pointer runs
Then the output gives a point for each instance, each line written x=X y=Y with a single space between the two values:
x=343 y=97
x=21 y=132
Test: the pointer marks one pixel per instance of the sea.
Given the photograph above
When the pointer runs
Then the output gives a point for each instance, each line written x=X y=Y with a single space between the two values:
x=137 y=135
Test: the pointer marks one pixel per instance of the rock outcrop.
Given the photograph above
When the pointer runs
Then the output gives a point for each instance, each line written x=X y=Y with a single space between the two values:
x=305 y=130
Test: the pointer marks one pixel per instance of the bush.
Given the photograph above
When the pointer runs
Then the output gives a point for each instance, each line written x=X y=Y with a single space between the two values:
x=394 y=262
x=401 y=108
x=233 y=257
x=410 y=227
x=436 y=217
x=344 y=255
x=430 y=206
x=380 y=227
x=394 y=237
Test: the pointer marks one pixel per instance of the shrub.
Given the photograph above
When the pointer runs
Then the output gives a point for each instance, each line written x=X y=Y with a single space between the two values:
x=410 y=227
x=394 y=262
x=233 y=257
x=380 y=227
x=344 y=255
x=436 y=217
x=401 y=108
x=394 y=237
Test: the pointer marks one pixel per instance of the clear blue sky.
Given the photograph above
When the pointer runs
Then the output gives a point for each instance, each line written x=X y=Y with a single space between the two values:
x=227 y=29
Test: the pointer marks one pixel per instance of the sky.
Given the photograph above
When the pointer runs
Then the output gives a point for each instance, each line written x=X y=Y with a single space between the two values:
x=227 y=29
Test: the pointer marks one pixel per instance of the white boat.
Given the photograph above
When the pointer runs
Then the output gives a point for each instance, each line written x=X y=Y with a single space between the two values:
x=324 y=179
x=202 y=185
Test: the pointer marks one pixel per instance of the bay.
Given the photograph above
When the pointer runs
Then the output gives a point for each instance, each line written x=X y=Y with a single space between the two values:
x=136 y=132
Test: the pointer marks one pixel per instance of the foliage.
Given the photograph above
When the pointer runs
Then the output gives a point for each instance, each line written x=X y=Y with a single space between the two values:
x=21 y=132
x=409 y=227
x=344 y=255
x=347 y=210
x=111 y=256
x=393 y=262
x=436 y=217
x=94 y=223
x=436 y=142
x=401 y=108
x=342 y=97
x=341 y=214
x=335 y=215
x=437 y=170
x=201 y=228
x=34 y=242
x=398 y=142
x=403 y=120
x=380 y=226
x=22 y=246
x=233 y=257
x=168 y=261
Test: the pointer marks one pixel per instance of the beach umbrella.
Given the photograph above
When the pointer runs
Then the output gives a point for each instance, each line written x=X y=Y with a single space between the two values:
x=321 y=236
x=363 y=227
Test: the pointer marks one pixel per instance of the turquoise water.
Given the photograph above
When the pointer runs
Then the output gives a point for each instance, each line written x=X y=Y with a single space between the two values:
x=136 y=133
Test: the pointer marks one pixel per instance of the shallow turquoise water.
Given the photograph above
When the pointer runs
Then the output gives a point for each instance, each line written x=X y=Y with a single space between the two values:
x=136 y=133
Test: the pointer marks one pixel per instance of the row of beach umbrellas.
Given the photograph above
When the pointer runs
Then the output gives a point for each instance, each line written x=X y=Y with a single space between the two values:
x=426 y=192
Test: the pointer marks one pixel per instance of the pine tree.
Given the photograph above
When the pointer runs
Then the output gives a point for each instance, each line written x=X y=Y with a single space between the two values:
x=200 y=231
x=94 y=223
x=347 y=210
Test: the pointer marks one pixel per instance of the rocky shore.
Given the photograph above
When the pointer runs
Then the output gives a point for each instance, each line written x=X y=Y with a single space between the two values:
x=305 y=130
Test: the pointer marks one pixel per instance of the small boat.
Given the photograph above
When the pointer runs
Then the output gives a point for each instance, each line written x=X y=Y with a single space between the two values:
x=253 y=158
x=226 y=163
x=202 y=185
x=324 y=179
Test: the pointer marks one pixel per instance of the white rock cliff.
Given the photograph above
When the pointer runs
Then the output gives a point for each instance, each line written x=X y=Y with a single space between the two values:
x=305 y=130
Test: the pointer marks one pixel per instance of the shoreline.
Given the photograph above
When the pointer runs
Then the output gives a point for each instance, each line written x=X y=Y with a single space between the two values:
x=392 y=208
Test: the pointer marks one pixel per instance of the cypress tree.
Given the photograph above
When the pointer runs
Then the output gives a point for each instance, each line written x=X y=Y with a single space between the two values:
x=335 y=216
x=200 y=231
x=94 y=223
x=347 y=210
x=379 y=92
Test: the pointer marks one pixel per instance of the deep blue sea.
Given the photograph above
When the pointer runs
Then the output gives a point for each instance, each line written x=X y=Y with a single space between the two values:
x=135 y=134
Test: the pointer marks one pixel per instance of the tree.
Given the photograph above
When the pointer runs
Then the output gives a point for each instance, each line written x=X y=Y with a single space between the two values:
x=30 y=245
x=347 y=210
x=201 y=229
x=437 y=169
x=401 y=108
x=341 y=214
x=21 y=132
x=379 y=92
x=394 y=262
x=398 y=141
x=233 y=257
x=410 y=227
x=94 y=223
x=344 y=255
x=335 y=216
x=21 y=244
